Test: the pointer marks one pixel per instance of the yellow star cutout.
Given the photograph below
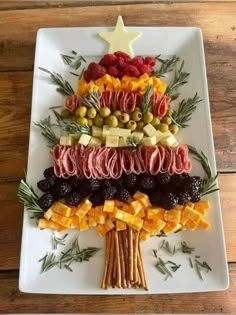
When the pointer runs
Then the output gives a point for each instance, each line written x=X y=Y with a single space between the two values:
x=120 y=39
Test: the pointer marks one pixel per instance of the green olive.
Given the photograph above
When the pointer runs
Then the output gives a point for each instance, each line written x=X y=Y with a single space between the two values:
x=166 y=120
x=82 y=121
x=105 y=112
x=65 y=113
x=163 y=127
x=90 y=122
x=147 y=117
x=131 y=125
x=169 y=112
x=124 y=118
x=140 y=125
x=91 y=113
x=117 y=113
x=98 y=121
x=112 y=121
x=121 y=125
x=155 y=122
x=81 y=111
x=173 y=129
x=136 y=115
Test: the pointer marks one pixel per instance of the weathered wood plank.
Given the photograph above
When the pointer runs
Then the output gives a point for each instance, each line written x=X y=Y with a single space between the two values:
x=11 y=218
x=220 y=40
x=12 y=301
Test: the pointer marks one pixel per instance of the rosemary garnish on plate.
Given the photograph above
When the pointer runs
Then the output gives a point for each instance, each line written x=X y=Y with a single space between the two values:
x=29 y=198
x=166 y=246
x=146 y=99
x=180 y=78
x=167 y=65
x=47 y=131
x=92 y=99
x=209 y=182
x=58 y=240
x=186 y=249
x=133 y=143
x=74 y=61
x=185 y=110
x=65 y=259
x=64 y=86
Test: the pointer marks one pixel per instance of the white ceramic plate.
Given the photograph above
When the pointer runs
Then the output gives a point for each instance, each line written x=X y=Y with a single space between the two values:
x=187 y=44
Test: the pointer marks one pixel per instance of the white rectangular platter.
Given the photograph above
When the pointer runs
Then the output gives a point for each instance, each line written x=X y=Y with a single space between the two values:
x=187 y=44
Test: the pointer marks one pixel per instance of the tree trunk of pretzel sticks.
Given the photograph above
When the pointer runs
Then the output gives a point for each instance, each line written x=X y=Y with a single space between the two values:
x=123 y=261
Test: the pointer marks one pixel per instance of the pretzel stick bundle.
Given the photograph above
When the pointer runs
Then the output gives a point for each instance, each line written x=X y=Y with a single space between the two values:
x=123 y=266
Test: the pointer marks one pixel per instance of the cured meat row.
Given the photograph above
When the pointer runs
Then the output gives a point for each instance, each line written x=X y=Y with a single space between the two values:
x=104 y=162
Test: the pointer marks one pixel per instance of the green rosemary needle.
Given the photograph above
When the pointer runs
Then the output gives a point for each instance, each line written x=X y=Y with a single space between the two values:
x=180 y=78
x=58 y=240
x=74 y=61
x=186 y=249
x=167 y=65
x=92 y=99
x=146 y=99
x=47 y=131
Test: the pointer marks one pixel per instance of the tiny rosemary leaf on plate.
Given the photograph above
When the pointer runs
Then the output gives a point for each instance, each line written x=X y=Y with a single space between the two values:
x=167 y=65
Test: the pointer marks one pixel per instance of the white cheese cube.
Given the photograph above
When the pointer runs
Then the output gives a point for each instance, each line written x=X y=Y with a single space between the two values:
x=150 y=140
x=96 y=142
x=170 y=141
x=84 y=139
x=161 y=135
x=96 y=131
x=123 y=142
x=124 y=132
x=137 y=135
x=112 y=141
x=66 y=140
x=114 y=131
x=149 y=130
x=105 y=131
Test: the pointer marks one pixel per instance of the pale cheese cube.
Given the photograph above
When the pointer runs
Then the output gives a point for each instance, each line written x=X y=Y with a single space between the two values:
x=149 y=140
x=149 y=130
x=137 y=135
x=124 y=132
x=74 y=137
x=105 y=131
x=96 y=142
x=66 y=140
x=114 y=131
x=123 y=142
x=84 y=139
x=96 y=131
x=170 y=141
x=112 y=141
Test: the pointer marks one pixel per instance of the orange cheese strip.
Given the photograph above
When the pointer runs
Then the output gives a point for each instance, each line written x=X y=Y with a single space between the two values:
x=102 y=229
x=120 y=225
x=171 y=227
x=109 y=206
x=130 y=219
x=155 y=213
x=144 y=235
x=172 y=215
x=59 y=219
x=83 y=208
x=45 y=224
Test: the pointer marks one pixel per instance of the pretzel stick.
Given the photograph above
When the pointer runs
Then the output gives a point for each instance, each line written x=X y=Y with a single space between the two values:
x=126 y=254
x=114 y=280
x=108 y=244
x=142 y=274
x=111 y=261
x=117 y=258
x=130 y=249
x=122 y=261
x=136 y=241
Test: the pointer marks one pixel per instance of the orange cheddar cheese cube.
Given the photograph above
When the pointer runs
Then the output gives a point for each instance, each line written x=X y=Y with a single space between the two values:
x=83 y=208
x=109 y=206
x=120 y=225
x=172 y=215
x=141 y=213
x=73 y=210
x=83 y=224
x=91 y=212
x=143 y=198
x=153 y=227
x=100 y=215
x=130 y=219
x=127 y=208
x=102 y=229
x=155 y=213
x=47 y=215
x=171 y=227
x=144 y=235
x=203 y=223
x=62 y=209
x=136 y=206
x=59 y=219
x=75 y=222
x=191 y=224
x=91 y=221
x=46 y=224
x=118 y=204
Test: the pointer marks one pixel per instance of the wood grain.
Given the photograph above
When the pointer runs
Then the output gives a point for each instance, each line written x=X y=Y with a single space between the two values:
x=20 y=37
x=11 y=218
x=210 y=303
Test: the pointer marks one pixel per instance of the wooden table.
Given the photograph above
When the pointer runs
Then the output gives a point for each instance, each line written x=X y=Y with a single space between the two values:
x=19 y=22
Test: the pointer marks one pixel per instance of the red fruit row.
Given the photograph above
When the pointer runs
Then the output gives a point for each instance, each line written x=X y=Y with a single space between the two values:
x=118 y=65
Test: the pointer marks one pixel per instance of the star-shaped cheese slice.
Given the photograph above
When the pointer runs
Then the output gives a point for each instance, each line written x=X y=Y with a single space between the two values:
x=120 y=39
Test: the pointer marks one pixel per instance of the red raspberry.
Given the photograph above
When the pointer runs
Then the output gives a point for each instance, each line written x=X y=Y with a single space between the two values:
x=87 y=75
x=113 y=71
x=91 y=65
x=123 y=55
x=137 y=61
x=145 y=69
x=108 y=60
x=121 y=74
x=150 y=61
x=121 y=63
x=132 y=71
x=97 y=71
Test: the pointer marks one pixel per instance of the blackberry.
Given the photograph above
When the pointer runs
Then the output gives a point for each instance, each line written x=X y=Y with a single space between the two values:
x=106 y=183
x=62 y=189
x=130 y=180
x=46 y=201
x=109 y=192
x=147 y=182
x=162 y=178
x=177 y=180
x=191 y=186
x=168 y=200
x=155 y=198
x=195 y=197
x=48 y=172
x=117 y=182
x=184 y=197
x=74 y=181
x=97 y=198
x=44 y=185
x=73 y=198
x=93 y=184
x=122 y=194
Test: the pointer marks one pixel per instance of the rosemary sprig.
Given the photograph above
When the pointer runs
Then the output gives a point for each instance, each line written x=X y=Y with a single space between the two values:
x=209 y=182
x=180 y=78
x=70 y=127
x=74 y=61
x=64 y=86
x=58 y=240
x=92 y=99
x=47 y=131
x=185 y=111
x=48 y=262
x=146 y=99
x=166 y=268
x=173 y=266
x=29 y=198
x=186 y=249
x=167 y=65
x=166 y=247
x=133 y=143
